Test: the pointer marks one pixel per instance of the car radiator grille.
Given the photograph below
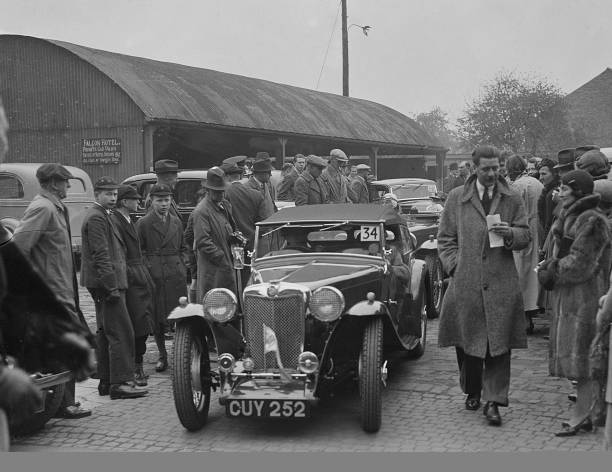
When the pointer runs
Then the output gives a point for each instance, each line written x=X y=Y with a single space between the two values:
x=284 y=315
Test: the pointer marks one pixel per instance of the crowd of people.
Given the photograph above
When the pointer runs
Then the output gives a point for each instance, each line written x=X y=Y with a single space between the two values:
x=521 y=237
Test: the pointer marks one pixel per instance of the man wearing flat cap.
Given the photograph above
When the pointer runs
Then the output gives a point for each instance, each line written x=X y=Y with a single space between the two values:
x=239 y=161
x=139 y=294
x=104 y=273
x=166 y=171
x=309 y=189
x=360 y=184
x=213 y=228
x=595 y=163
x=333 y=177
x=161 y=238
x=289 y=175
x=43 y=235
x=260 y=181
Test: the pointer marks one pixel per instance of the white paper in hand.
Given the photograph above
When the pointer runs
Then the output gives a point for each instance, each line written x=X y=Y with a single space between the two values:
x=495 y=240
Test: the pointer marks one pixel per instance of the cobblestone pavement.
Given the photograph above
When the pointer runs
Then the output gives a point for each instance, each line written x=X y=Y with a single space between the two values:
x=423 y=410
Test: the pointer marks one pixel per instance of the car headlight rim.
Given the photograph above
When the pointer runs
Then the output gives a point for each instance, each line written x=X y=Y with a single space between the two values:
x=220 y=304
x=326 y=303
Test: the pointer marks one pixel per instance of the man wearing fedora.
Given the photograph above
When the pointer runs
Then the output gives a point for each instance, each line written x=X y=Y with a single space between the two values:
x=260 y=181
x=309 y=188
x=139 y=294
x=213 y=228
x=333 y=177
x=166 y=171
x=104 y=273
x=43 y=235
x=360 y=184
x=161 y=237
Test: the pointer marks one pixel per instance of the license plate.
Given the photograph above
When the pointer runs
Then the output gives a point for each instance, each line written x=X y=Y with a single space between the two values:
x=268 y=408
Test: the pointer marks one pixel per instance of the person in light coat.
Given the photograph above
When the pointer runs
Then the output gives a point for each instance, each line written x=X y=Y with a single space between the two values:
x=526 y=260
x=482 y=314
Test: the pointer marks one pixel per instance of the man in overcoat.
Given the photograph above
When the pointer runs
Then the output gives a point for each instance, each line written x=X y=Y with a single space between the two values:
x=482 y=313
x=309 y=189
x=104 y=273
x=213 y=227
x=43 y=235
x=360 y=184
x=139 y=294
x=284 y=192
x=161 y=239
x=260 y=181
x=333 y=177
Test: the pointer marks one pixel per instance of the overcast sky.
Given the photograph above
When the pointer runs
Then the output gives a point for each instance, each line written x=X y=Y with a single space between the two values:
x=419 y=53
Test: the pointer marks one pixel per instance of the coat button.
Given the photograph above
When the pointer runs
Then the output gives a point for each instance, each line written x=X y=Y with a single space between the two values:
x=484 y=256
x=485 y=286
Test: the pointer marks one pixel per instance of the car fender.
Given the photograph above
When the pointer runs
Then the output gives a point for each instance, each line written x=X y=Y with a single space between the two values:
x=429 y=245
x=368 y=308
x=417 y=274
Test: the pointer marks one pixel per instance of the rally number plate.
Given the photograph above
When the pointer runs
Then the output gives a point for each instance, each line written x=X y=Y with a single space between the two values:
x=268 y=408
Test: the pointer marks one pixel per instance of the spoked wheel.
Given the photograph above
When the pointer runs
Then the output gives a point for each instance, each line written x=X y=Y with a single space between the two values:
x=370 y=376
x=191 y=376
x=435 y=290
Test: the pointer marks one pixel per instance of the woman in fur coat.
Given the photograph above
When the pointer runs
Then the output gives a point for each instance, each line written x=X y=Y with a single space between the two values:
x=580 y=273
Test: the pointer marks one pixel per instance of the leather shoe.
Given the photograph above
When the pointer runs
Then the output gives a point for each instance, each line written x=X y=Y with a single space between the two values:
x=126 y=390
x=472 y=402
x=103 y=388
x=585 y=425
x=162 y=364
x=72 y=412
x=492 y=413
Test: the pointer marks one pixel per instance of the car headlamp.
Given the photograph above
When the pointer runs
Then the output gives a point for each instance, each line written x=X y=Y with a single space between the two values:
x=326 y=303
x=308 y=362
x=220 y=304
x=226 y=362
x=434 y=208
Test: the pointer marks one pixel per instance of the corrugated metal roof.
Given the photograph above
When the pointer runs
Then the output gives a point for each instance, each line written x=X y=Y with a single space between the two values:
x=167 y=91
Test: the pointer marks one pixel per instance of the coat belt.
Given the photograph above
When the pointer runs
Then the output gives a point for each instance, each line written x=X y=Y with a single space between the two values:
x=161 y=253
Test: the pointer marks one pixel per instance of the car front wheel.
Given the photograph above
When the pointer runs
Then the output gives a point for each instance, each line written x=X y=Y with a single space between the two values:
x=435 y=289
x=191 y=375
x=370 y=376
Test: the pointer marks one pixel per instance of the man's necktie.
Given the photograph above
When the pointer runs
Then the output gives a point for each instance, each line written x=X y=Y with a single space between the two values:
x=486 y=201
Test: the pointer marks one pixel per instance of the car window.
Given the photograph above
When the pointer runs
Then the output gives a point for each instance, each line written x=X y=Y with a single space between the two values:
x=10 y=187
x=187 y=192
x=422 y=190
x=76 y=186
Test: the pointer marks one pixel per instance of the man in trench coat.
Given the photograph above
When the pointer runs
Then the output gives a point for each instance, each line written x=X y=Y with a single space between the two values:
x=139 y=294
x=482 y=313
x=161 y=237
x=309 y=188
x=333 y=177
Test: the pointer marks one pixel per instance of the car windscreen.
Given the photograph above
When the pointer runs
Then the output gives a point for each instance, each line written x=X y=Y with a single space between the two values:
x=423 y=190
x=282 y=239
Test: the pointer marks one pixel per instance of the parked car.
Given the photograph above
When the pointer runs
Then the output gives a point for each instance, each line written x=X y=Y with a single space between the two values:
x=421 y=206
x=324 y=305
x=189 y=183
x=19 y=185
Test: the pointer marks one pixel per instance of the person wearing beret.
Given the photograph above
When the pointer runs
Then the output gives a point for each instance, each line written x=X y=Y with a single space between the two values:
x=104 y=274
x=161 y=238
x=139 y=294
x=359 y=184
x=213 y=227
x=166 y=171
x=260 y=181
x=309 y=189
x=334 y=179
x=43 y=235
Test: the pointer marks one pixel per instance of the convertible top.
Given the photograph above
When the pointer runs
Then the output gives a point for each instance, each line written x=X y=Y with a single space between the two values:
x=335 y=213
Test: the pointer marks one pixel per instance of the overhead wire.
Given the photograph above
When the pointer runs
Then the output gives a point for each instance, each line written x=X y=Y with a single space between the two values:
x=329 y=44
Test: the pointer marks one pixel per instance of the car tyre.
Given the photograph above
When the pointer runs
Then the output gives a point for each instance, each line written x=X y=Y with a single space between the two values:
x=53 y=400
x=370 y=376
x=191 y=381
x=435 y=285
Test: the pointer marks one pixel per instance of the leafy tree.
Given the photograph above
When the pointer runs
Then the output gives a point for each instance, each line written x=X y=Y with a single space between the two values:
x=436 y=123
x=522 y=113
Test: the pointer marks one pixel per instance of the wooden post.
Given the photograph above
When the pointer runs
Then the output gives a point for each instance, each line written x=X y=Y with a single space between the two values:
x=374 y=160
x=148 y=156
x=345 y=56
x=440 y=161
x=283 y=143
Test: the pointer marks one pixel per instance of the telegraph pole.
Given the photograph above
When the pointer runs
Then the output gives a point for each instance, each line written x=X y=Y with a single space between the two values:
x=345 y=56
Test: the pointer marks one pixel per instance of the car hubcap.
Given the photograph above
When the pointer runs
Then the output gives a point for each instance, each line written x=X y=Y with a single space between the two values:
x=196 y=377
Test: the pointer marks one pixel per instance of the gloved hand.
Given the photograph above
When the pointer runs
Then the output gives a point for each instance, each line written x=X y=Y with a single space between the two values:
x=546 y=273
x=19 y=397
x=113 y=296
x=78 y=350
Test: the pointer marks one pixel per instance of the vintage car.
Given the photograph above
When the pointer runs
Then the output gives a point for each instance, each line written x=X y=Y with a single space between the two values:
x=19 y=185
x=334 y=291
x=421 y=206
x=188 y=186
